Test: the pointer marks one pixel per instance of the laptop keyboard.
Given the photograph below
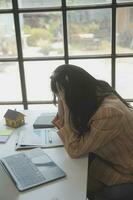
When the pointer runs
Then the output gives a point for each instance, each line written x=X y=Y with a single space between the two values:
x=24 y=171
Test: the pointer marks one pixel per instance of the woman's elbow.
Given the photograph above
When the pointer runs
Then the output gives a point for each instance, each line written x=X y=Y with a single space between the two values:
x=74 y=152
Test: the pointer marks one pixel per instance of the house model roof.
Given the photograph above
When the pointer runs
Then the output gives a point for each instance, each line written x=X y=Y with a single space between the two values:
x=12 y=114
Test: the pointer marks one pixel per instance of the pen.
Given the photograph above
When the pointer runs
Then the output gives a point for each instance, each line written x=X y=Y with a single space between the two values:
x=17 y=139
x=49 y=137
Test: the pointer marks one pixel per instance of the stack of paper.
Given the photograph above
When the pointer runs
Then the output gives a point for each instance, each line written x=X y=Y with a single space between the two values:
x=5 y=134
x=30 y=138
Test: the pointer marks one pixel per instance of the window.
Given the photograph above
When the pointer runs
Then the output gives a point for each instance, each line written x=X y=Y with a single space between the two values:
x=125 y=32
x=37 y=36
x=89 y=31
x=131 y=15
x=41 y=34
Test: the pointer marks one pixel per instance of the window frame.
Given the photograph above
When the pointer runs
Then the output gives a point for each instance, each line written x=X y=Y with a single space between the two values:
x=15 y=10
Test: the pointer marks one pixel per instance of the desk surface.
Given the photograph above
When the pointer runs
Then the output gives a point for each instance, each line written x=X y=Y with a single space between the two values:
x=72 y=187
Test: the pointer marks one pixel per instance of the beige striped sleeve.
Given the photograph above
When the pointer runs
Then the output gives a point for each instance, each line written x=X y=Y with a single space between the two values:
x=105 y=127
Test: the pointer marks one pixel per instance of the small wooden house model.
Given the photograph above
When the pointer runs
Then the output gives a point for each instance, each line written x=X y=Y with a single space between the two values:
x=14 y=119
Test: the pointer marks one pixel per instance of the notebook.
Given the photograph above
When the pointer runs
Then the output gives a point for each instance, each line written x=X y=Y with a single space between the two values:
x=44 y=121
x=31 y=168
x=31 y=138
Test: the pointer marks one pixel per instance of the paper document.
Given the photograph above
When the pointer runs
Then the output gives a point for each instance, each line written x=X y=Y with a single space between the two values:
x=3 y=138
x=38 y=138
x=5 y=133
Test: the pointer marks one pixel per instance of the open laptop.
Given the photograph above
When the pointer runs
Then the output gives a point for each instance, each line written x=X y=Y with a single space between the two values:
x=31 y=168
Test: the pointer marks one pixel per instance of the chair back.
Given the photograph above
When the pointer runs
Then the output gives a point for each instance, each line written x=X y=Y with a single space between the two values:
x=116 y=192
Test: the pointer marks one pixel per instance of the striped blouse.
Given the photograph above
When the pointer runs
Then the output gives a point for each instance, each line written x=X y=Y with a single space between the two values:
x=110 y=137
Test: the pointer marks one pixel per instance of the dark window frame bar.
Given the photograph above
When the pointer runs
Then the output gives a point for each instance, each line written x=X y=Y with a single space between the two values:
x=113 y=66
x=63 y=8
x=120 y=55
x=20 y=53
x=65 y=34
x=21 y=103
x=59 y=8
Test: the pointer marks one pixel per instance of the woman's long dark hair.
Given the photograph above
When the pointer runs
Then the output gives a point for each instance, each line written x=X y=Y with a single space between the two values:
x=83 y=93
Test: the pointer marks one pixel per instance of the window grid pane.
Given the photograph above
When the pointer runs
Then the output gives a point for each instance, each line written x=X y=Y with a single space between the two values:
x=38 y=79
x=89 y=32
x=124 y=34
x=39 y=3
x=86 y=2
x=124 y=80
x=99 y=68
x=10 y=82
x=5 y=4
x=7 y=36
x=42 y=34
x=46 y=40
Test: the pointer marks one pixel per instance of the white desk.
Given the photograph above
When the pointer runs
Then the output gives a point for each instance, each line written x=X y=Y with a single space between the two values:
x=72 y=187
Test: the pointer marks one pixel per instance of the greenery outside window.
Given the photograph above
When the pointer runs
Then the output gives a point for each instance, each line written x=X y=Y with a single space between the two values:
x=37 y=36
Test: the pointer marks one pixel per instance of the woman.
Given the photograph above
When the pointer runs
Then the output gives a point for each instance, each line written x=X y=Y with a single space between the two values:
x=94 y=120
